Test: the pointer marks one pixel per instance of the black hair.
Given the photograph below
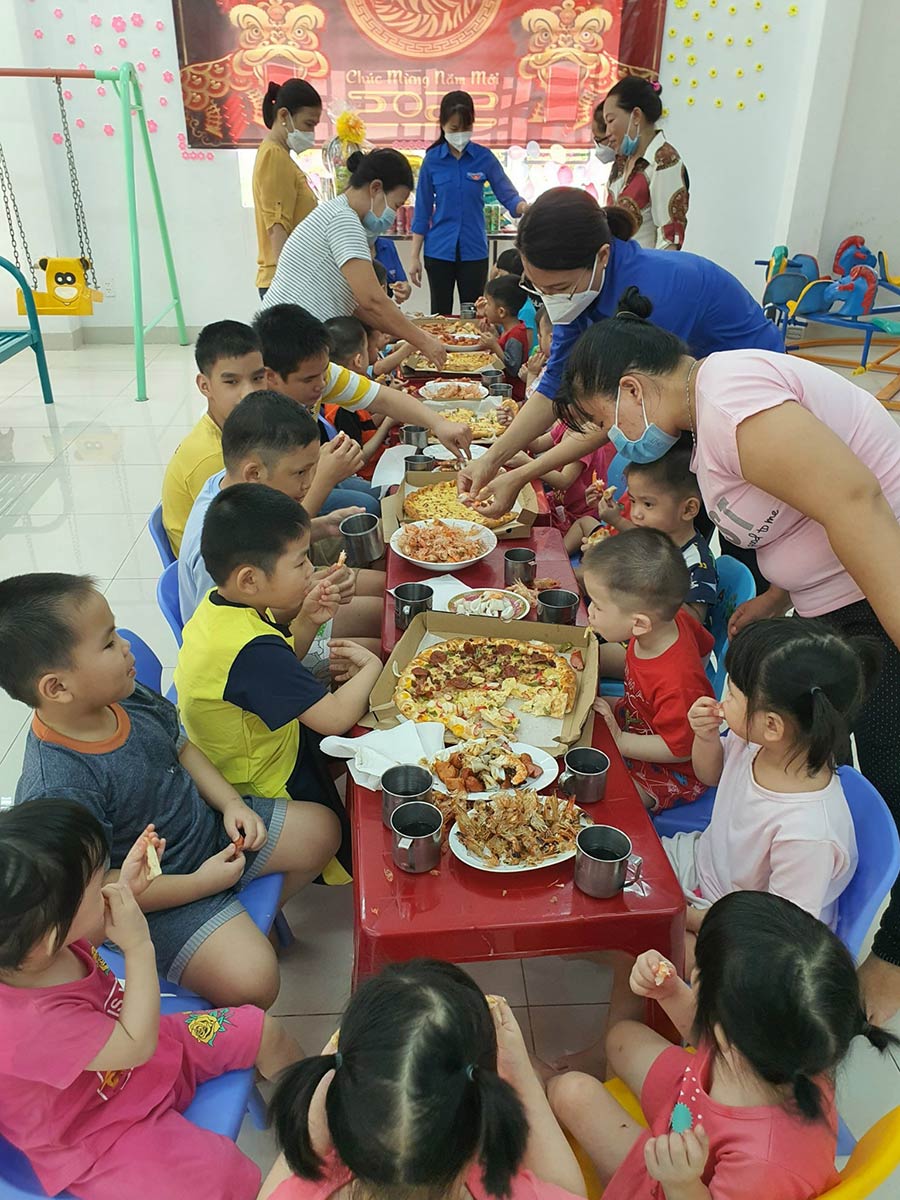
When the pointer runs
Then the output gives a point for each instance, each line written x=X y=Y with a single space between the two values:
x=223 y=339
x=510 y=261
x=389 y=166
x=633 y=91
x=566 y=228
x=380 y=273
x=288 y=335
x=348 y=337
x=642 y=567
x=784 y=991
x=36 y=630
x=609 y=349
x=541 y=314
x=507 y=290
x=252 y=525
x=803 y=669
x=293 y=95
x=50 y=849
x=454 y=104
x=268 y=424
x=416 y=1096
x=672 y=473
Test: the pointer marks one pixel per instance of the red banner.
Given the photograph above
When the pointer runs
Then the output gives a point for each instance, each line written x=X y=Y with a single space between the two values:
x=535 y=73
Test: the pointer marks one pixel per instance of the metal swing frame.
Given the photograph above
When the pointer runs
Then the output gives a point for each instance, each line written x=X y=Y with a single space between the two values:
x=124 y=80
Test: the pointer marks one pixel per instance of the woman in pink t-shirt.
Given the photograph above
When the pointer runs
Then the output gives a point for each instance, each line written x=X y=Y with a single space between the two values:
x=794 y=462
x=427 y=1092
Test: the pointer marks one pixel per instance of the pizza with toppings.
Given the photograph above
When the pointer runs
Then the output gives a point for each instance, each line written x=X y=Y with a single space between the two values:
x=442 y=500
x=467 y=683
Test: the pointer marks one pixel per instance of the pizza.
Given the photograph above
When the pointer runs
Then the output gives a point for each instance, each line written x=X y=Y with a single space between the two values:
x=467 y=683
x=484 y=426
x=442 y=500
x=451 y=331
x=463 y=363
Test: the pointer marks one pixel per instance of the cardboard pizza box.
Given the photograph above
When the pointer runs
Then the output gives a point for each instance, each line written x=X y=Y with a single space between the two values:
x=554 y=735
x=524 y=510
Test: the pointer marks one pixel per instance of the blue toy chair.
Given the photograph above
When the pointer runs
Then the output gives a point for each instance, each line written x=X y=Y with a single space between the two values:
x=14 y=340
x=160 y=537
x=167 y=599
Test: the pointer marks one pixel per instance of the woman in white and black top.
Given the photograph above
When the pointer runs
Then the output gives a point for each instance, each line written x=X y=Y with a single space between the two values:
x=326 y=264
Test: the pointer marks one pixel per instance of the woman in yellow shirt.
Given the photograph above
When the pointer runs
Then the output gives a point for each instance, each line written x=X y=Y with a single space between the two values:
x=281 y=195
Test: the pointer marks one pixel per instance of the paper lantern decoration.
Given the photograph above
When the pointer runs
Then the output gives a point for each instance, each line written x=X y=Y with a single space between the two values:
x=564 y=176
x=533 y=149
x=558 y=153
x=516 y=153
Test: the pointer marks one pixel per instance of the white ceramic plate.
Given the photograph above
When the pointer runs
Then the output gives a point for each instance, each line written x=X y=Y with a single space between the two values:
x=488 y=541
x=441 y=452
x=432 y=391
x=519 y=603
x=479 y=864
x=548 y=764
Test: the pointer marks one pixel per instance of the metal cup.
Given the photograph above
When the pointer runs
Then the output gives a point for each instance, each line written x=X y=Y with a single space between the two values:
x=519 y=566
x=362 y=539
x=409 y=600
x=467 y=311
x=603 y=861
x=556 y=606
x=491 y=375
x=415 y=435
x=416 y=844
x=420 y=462
x=501 y=389
x=584 y=777
x=403 y=785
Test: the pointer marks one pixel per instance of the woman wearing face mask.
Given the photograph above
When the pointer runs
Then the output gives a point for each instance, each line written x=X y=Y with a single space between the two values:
x=326 y=264
x=648 y=177
x=281 y=195
x=449 y=215
x=579 y=260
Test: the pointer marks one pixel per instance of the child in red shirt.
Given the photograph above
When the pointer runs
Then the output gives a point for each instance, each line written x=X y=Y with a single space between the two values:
x=637 y=583
x=504 y=299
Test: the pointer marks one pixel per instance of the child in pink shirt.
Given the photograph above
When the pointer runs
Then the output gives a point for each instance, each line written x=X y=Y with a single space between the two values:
x=773 y=1007
x=93 y=1081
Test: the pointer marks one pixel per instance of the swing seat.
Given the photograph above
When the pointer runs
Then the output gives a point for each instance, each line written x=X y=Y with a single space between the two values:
x=67 y=292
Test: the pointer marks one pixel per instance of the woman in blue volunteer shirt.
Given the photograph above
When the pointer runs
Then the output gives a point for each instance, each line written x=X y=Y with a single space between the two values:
x=579 y=260
x=449 y=213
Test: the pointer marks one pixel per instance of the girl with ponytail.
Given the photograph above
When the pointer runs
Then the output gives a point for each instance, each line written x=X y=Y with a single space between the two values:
x=426 y=1094
x=772 y=1008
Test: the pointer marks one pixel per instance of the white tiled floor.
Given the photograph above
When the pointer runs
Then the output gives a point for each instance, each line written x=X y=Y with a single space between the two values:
x=77 y=483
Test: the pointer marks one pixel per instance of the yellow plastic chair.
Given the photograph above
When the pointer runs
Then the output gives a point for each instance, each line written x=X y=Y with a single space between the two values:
x=874 y=1157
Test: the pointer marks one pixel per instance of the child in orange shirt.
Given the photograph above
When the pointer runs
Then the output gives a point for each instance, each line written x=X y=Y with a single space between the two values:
x=351 y=347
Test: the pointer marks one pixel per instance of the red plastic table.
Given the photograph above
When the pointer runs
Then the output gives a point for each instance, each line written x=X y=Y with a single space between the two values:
x=464 y=915
x=552 y=563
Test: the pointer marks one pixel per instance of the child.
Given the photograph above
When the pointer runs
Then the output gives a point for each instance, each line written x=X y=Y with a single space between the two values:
x=532 y=370
x=350 y=347
x=636 y=583
x=230 y=365
x=116 y=747
x=780 y=822
x=773 y=1008
x=425 y=1092
x=509 y=262
x=93 y=1081
x=269 y=439
x=243 y=692
x=503 y=300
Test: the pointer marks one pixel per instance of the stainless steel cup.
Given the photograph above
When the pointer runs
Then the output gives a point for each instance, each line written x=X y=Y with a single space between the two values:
x=604 y=863
x=584 y=777
x=416 y=844
x=403 y=785
x=409 y=600
x=556 y=606
x=519 y=566
x=501 y=389
x=491 y=375
x=420 y=462
x=467 y=311
x=415 y=435
x=362 y=539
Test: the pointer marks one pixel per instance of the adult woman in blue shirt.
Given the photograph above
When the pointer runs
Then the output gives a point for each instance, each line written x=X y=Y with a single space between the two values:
x=449 y=213
x=579 y=259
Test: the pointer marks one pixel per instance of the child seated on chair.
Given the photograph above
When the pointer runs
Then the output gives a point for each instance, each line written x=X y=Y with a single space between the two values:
x=772 y=1007
x=504 y=299
x=637 y=583
x=102 y=739
x=531 y=371
x=243 y=693
x=352 y=346
x=93 y=1081
x=269 y=439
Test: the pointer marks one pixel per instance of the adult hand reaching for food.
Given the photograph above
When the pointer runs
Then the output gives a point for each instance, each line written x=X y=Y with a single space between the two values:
x=433 y=349
x=495 y=498
x=455 y=436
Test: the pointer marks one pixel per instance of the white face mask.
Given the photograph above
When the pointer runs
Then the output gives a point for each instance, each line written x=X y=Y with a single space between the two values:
x=458 y=141
x=300 y=139
x=605 y=153
x=563 y=309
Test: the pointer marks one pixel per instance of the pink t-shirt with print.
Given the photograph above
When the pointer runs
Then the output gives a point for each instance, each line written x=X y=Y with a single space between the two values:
x=793 y=551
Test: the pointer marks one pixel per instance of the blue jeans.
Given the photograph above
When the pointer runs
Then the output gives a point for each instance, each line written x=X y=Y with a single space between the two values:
x=352 y=492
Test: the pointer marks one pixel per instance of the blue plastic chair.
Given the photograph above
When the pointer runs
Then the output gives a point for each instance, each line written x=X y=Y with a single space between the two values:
x=160 y=537
x=736 y=585
x=147 y=666
x=12 y=341
x=168 y=601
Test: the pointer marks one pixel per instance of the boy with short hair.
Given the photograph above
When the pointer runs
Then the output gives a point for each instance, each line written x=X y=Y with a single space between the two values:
x=351 y=347
x=637 y=583
x=503 y=301
x=102 y=739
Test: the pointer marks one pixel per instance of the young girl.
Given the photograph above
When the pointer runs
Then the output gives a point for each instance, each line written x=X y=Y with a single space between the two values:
x=93 y=1081
x=773 y=1007
x=531 y=371
x=428 y=1093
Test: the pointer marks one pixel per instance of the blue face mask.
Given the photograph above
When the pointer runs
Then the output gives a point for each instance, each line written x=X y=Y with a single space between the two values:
x=650 y=446
x=630 y=143
x=377 y=226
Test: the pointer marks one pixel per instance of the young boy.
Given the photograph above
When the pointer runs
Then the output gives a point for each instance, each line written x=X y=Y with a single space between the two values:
x=242 y=691
x=509 y=262
x=503 y=301
x=114 y=746
x=351 y=347
x=637 y=583
x=269 y=439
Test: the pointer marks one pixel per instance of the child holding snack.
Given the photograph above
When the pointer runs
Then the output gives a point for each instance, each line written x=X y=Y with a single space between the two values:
x=503 y=301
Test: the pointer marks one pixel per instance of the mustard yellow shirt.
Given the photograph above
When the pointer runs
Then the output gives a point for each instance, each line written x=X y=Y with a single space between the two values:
x=281 y=196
